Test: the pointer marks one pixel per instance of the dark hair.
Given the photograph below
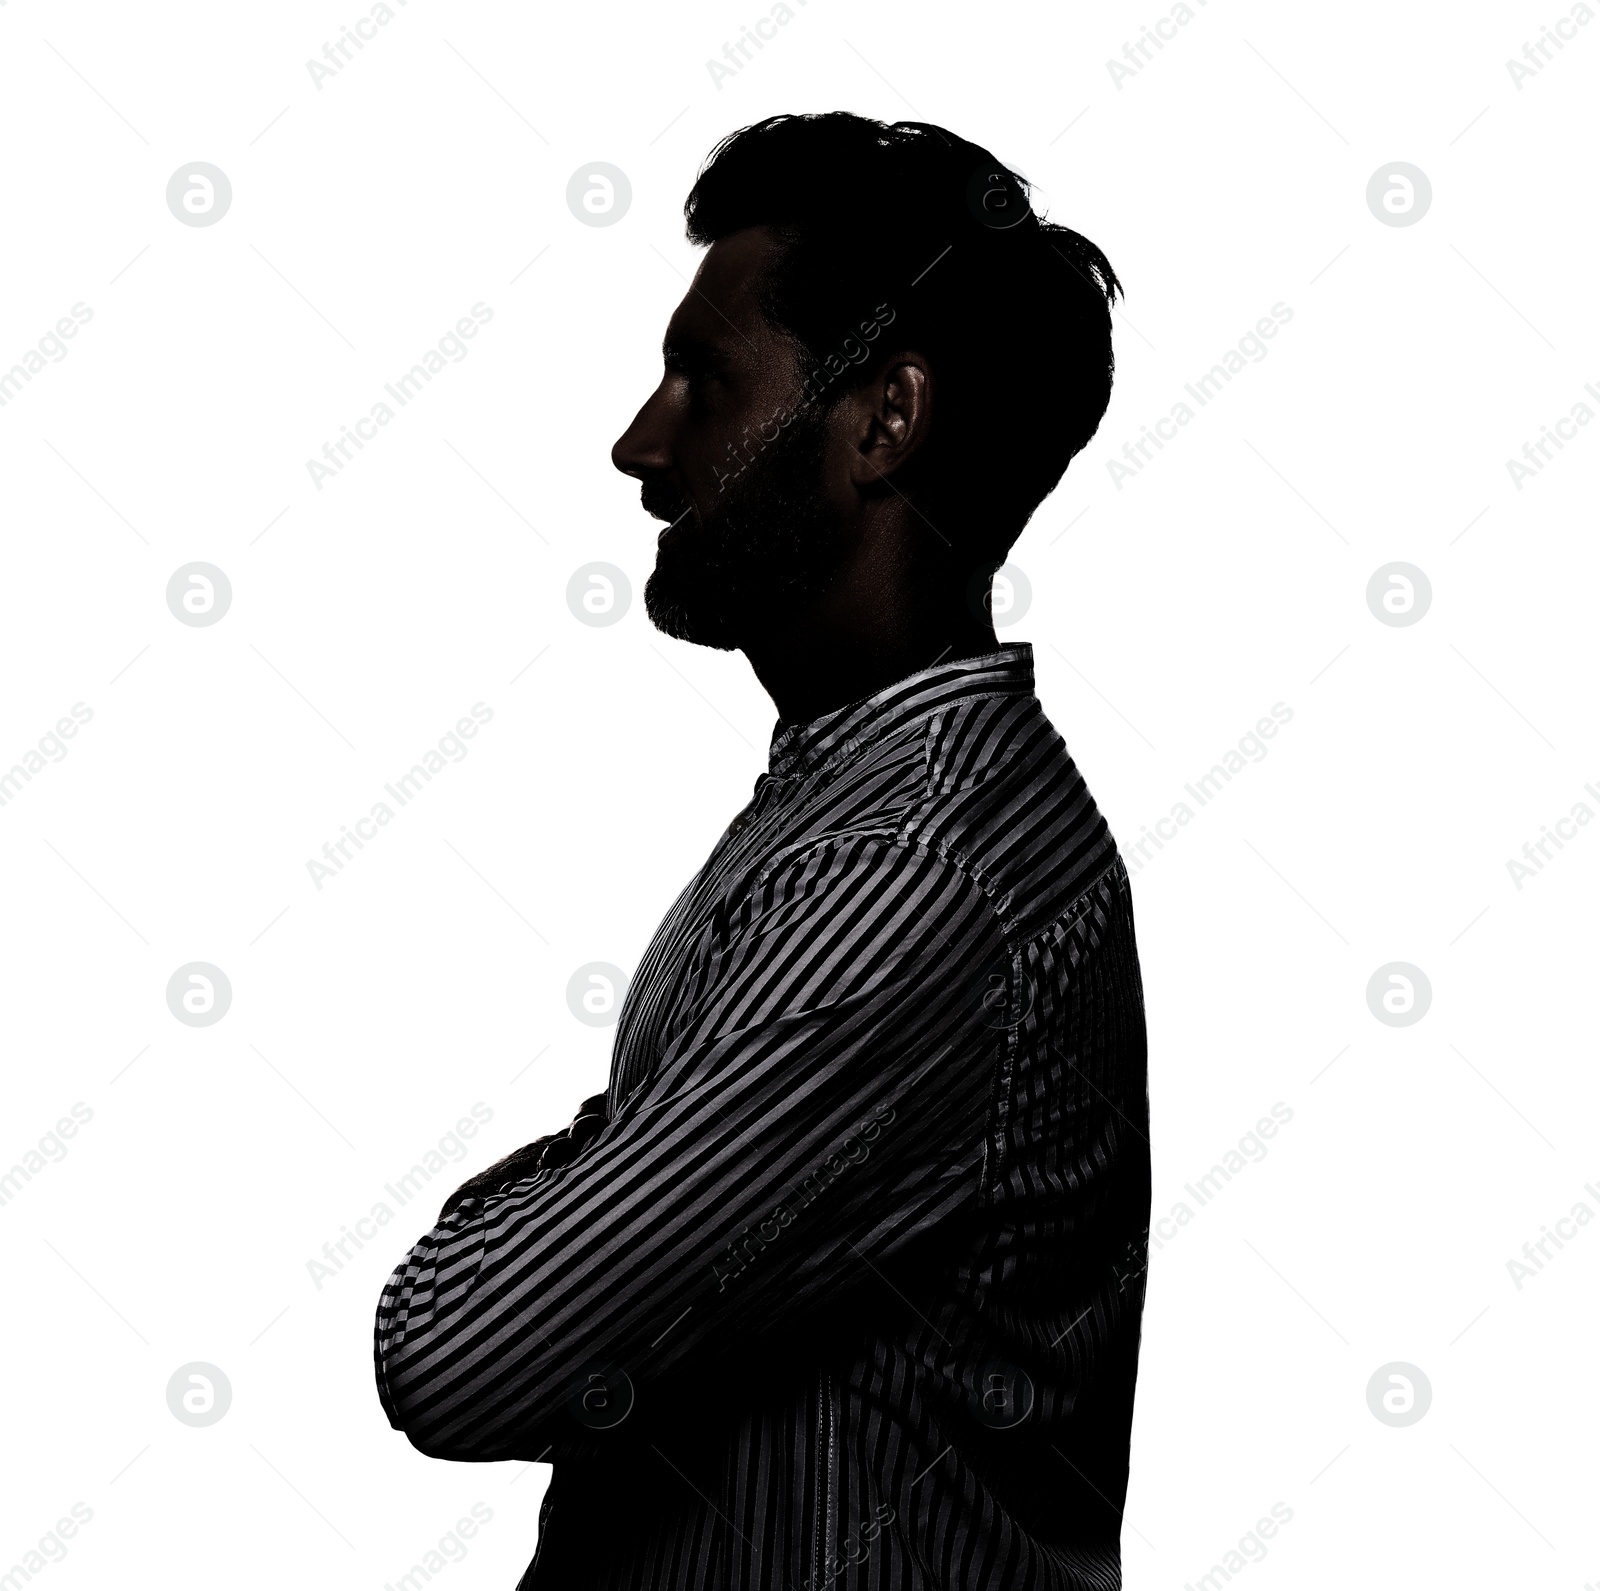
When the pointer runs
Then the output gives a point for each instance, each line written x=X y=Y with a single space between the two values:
x=908 y=221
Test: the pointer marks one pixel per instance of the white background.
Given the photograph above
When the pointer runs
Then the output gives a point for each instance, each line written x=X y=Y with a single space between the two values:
x=1169 y=613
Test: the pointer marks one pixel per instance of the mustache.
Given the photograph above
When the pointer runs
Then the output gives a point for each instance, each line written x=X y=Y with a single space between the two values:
x=662 y=500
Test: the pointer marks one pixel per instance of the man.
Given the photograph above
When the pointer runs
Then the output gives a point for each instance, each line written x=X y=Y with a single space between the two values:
x=839 y=1283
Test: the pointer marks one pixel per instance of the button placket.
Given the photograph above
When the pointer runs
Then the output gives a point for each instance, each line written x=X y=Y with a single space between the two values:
x=753 y=809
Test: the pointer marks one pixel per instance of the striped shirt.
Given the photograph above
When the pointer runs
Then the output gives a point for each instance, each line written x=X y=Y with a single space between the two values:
x=841 y=1289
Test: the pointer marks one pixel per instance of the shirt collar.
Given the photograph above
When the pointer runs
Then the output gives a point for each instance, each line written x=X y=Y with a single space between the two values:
x=800 y=748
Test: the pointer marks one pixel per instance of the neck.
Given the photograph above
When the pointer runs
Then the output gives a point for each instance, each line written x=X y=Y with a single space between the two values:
x=846 y=650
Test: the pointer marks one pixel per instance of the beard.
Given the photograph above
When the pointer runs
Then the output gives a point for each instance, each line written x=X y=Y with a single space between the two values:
x=770 y=545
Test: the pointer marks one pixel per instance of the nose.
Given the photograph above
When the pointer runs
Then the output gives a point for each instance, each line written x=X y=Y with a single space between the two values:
x=645 y=448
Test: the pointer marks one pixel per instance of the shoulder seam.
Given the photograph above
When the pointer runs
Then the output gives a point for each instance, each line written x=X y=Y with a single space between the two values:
x=902 y=839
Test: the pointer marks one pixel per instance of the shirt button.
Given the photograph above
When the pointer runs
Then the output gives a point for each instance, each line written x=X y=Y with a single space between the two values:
x=558 y=1153
x=584 y=1128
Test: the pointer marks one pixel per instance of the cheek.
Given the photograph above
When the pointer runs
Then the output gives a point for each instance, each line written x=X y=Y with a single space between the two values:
x=712 y=452
x=707 y=467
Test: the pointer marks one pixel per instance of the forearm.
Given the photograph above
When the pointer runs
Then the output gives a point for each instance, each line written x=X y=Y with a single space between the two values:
x=797 y=1130
x=698 y=1220
x=526 y=1161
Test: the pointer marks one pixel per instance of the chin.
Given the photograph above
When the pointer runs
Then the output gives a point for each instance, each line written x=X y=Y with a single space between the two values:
x=684 y=597
x=696 y=619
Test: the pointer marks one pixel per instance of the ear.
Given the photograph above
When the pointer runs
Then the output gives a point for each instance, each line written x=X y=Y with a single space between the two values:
x=889 y=418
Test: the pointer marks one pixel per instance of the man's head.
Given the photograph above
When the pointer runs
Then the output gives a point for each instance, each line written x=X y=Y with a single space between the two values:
x=882 y=367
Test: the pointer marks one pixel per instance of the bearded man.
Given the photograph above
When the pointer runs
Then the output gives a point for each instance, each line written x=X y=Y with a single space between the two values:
x=839 y=1283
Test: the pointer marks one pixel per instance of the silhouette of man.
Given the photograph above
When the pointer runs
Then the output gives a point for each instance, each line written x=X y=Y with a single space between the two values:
x=839 y=1283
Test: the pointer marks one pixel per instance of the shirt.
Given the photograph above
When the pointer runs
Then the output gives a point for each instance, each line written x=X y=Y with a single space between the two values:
x=845 y=1293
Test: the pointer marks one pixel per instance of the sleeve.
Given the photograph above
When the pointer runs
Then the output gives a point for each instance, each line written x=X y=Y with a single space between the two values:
x=530 y=1158
x=821 y=1102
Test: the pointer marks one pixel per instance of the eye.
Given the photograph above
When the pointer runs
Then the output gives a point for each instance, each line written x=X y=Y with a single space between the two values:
x=693 y=367
x=701 y=382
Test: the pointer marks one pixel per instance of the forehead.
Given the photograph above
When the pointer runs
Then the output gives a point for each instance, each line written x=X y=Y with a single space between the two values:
x=722 y=313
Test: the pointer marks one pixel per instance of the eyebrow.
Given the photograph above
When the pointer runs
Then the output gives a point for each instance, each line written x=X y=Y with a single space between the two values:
x=682 y=351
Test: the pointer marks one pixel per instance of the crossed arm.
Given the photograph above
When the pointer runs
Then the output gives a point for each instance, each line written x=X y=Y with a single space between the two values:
x=532 y=1158
x=821 y=1103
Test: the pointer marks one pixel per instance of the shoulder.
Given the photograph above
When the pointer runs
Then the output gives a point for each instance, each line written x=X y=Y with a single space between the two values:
x=1006 y=802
